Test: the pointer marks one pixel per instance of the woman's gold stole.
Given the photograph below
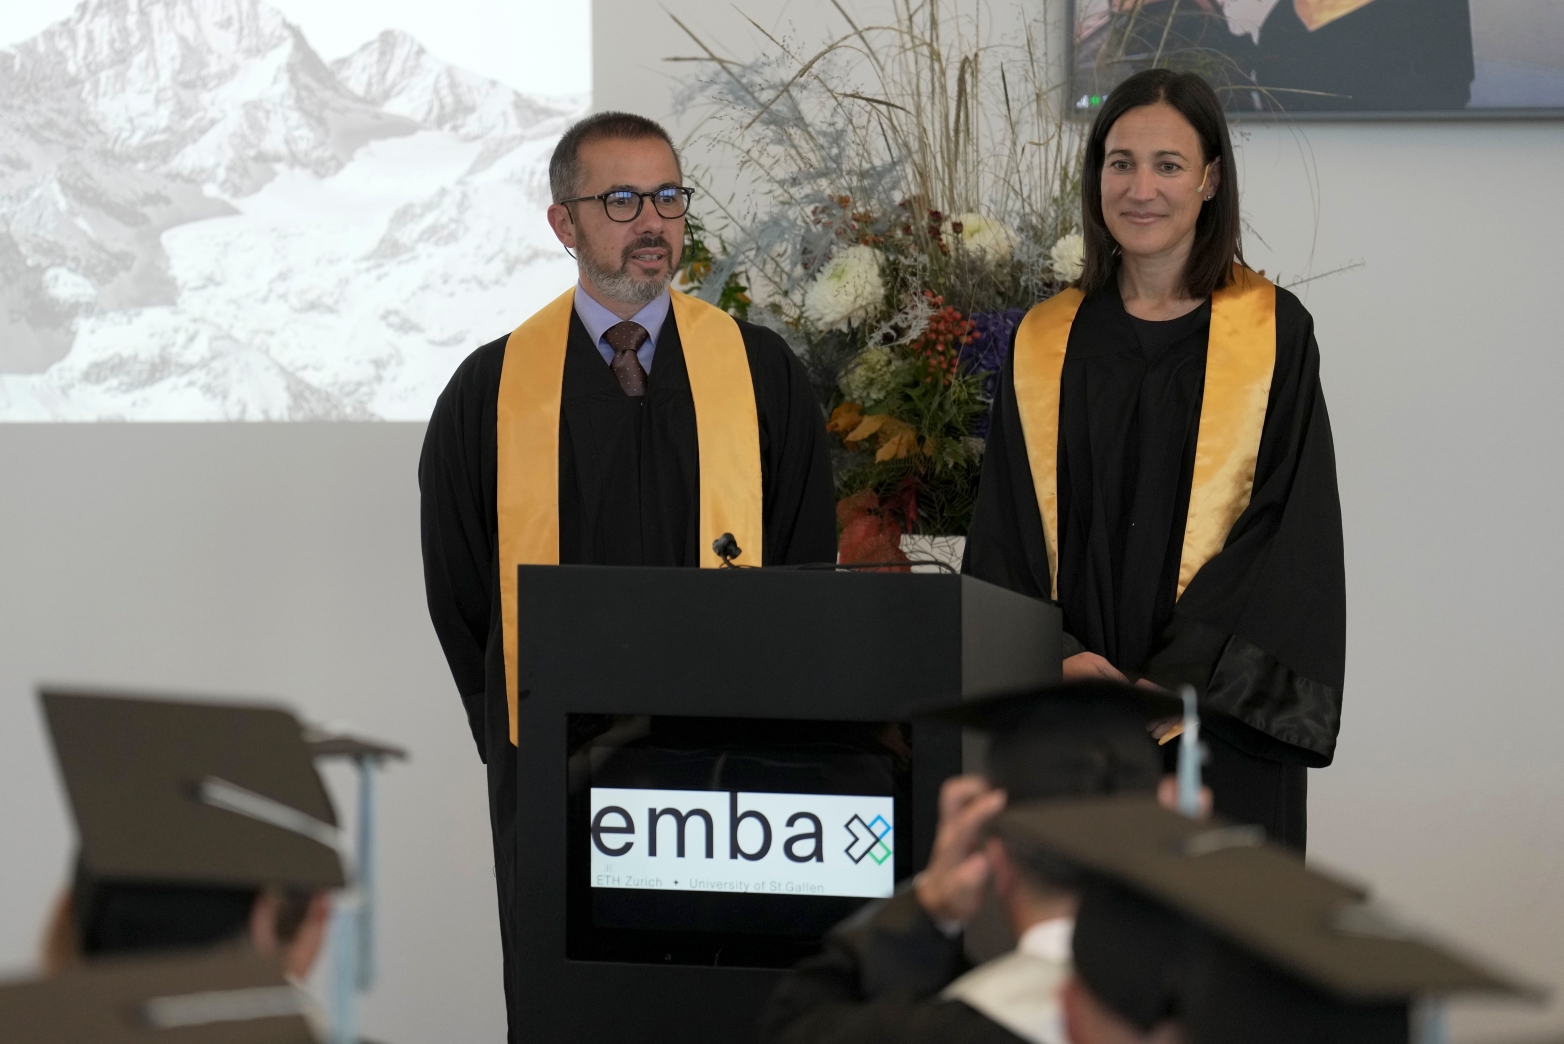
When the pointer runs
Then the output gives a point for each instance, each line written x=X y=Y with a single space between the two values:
x=1240 y=359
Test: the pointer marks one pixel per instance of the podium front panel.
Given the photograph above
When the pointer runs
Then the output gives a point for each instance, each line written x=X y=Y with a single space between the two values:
x=715 y=766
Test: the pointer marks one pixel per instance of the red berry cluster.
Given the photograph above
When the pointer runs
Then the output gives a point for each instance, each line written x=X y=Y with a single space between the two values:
x=942 y=340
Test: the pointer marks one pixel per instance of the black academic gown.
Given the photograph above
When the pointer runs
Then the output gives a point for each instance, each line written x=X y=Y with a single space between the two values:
x=1390 y=55
x=628 y=482
x=877 y=981
x=1261 y=629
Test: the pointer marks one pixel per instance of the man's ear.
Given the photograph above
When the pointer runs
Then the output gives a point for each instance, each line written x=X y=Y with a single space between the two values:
x=1071 y=1005
x=299 y=956
x=563 y=224
x=1002 y=869
x=263 y=923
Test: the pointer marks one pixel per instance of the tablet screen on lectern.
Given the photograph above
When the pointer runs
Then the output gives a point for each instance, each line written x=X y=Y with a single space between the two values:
x=729 y=841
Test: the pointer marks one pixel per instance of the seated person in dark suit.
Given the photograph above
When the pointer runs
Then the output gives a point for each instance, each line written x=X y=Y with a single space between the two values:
x=897 y=972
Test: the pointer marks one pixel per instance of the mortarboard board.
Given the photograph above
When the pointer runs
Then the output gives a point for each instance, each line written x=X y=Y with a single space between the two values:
x=226 y=997
x=172 y=793
x=1277 y=951
x=1070 y=740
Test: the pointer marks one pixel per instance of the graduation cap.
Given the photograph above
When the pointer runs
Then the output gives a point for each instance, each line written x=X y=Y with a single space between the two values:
x=1255 y=945
x=228 y=997
x=1071 y=740
x=184 y=811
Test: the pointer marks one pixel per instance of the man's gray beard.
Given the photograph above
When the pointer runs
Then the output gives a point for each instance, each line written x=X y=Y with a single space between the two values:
x=621 y=285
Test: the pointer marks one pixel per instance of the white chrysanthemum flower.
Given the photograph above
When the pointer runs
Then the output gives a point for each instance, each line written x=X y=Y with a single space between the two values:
x=981 y=235
x=1068 y=257
x=874 y=377
x=848 y=289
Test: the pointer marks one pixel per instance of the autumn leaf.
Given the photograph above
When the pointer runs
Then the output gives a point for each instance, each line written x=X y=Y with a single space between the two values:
x=898 y=439
x=844 y=418
x=871 y=424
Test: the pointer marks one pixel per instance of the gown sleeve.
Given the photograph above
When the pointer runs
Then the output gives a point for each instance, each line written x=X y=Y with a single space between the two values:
x=457 y=523
x=874 y=983
x=800 y=493
x=1261 y=629
x=1005 y=543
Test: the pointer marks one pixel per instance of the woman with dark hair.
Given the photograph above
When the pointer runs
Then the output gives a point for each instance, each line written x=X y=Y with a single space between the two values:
x=1160 y=464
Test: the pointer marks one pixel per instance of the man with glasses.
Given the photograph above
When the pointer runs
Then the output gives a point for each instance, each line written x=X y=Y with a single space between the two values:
x=623 y=424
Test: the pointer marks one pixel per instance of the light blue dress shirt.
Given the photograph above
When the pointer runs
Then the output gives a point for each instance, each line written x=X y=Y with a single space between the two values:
x=598 y=319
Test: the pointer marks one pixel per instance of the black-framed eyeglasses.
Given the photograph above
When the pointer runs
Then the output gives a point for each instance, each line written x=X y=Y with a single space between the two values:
x=624 y=205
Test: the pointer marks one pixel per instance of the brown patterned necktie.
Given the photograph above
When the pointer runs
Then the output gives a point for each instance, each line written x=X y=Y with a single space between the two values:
x=626 y=339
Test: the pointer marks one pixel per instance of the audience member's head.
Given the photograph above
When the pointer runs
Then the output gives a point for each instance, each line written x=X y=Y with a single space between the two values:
x=117 y=918
x=1206 y=933
x=1080 y=739
x=1129 y=954
x=200 y=826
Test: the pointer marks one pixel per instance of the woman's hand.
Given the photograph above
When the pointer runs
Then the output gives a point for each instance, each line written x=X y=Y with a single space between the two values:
x=1087 y=666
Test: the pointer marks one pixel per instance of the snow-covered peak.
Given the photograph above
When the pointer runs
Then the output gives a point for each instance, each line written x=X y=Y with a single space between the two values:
x=396 y=72
x=222 y=91
x=173 y=41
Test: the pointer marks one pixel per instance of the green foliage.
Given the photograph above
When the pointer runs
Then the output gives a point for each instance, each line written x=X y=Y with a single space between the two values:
x=696 y=266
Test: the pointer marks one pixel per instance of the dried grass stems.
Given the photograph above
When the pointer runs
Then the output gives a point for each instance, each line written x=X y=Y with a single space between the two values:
x=880 y=136
x=891 y=200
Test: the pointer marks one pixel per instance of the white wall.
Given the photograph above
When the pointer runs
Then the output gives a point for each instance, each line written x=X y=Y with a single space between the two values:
x=277 y=561
x=1443 y=366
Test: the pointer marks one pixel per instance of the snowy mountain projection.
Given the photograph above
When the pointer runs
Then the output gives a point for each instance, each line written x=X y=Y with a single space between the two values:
x=201 y=219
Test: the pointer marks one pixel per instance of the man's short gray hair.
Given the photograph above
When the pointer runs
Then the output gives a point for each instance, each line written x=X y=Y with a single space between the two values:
x=564 y=168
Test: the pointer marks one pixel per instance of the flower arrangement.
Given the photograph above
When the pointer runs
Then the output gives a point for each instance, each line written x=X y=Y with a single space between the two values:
x=907 y=194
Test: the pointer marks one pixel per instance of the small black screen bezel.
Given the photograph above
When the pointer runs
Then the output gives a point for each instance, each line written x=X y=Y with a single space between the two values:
x=785 y=929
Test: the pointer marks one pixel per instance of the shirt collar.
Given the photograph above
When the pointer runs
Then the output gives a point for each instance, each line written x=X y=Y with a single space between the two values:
x=1049 y=939
x=597 y=318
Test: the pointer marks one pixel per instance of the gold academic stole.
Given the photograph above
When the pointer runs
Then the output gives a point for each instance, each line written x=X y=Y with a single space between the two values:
x=1240 y=359
x=1317 y=13
x=727 y=428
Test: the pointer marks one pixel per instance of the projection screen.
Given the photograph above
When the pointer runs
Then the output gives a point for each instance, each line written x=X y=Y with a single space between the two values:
x=304 y=210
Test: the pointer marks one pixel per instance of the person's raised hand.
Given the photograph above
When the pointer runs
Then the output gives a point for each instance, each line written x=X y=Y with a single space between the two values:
x=951 y=888
x=1086 y=666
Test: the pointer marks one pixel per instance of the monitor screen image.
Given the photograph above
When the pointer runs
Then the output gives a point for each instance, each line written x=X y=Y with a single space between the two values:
x=728 y=841
x=747 y=843
x=1332 y=58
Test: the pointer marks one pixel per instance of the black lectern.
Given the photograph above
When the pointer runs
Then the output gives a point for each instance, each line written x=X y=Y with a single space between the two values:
x=714 y=766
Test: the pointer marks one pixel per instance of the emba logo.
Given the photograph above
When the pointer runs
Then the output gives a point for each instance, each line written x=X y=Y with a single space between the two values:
x=746 y=842
x=868 y=839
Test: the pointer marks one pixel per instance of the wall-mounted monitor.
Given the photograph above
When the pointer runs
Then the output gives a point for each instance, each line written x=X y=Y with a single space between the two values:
x=1333 y=58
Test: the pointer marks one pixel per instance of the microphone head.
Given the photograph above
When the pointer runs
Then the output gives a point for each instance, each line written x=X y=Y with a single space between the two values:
x=726 y=548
